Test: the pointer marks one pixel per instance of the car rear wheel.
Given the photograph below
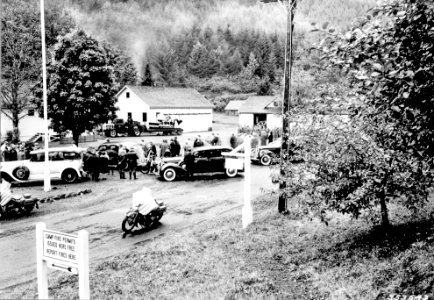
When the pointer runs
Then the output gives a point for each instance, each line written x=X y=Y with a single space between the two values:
x=169 y=174
x=69 y=176
x=231 y=172
x=266 y=160
x=113 y=133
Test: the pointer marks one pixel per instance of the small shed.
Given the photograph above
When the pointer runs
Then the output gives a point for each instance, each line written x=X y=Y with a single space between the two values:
x=261 y=110
x=233 y=107
x=149 y=104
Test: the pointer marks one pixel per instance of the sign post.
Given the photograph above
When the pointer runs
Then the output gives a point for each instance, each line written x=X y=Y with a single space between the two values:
x=247 y=208
x=64 y=252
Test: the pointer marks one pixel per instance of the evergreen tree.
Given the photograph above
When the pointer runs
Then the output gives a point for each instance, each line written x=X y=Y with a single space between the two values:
x=262 y=52
x=233 y=64
x=147 y=77
x=250 y=70
x=270 y=67
x=229 y=37
x=124 y=70
x=203 y=63
x=265 y=87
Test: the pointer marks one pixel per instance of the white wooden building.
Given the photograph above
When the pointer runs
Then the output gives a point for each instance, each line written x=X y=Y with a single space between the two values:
x=233 y=107
x=30 y=123
x=261 y=109
x=149 y=104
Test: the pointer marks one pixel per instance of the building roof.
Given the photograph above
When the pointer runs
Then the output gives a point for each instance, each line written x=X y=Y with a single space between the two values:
x=261 y=105
x=234 y=105
x=163 y=97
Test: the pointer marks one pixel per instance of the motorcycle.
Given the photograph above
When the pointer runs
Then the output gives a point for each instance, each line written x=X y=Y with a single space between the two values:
x=15 y=204
x=145 y=212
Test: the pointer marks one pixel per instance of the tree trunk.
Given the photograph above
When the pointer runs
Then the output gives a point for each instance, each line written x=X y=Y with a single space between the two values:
x=15 y=123
x=384 y=212
x=75 y=137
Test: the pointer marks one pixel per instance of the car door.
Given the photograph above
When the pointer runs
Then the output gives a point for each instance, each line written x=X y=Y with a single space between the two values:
x=200 y=161
x=36 y=166
x=57 y=163
x=216 y=161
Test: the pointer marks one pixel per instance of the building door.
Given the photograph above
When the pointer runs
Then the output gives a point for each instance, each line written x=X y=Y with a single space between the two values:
x=259 y=118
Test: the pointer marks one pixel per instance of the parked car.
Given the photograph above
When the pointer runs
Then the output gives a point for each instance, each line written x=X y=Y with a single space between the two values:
x=65 y=163
x=269 y=154
x=115 y=146
x=208 y=159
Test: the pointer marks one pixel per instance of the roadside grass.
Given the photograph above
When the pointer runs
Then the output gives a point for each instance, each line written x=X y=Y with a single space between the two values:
x=277 y=256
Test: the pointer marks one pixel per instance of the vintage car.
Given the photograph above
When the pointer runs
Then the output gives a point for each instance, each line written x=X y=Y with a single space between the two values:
x=208 y=159
x=65 y=163
x=115 y=146
x=270 y=154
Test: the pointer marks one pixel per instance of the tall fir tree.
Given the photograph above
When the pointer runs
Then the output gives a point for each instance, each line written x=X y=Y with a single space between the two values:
x=147 y=77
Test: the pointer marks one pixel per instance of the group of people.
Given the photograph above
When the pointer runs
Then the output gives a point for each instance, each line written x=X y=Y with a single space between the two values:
x=113 y=157
x=16 y=151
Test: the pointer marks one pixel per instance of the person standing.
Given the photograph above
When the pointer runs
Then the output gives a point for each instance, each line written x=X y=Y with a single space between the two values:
x=189 y=164
x=163 y=148
x=113 y=159
x=91 y=162
x=122 y=162
x=172 y=148
x=132 y=158
x=177 y=146
x=233 y=141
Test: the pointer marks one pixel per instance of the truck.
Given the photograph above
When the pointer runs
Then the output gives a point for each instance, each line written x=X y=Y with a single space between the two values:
x=133 y=128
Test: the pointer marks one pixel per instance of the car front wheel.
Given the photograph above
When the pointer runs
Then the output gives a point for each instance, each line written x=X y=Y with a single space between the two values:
x=231 y=172
x=266 y=160
x=169 y=174
x=22 y=173
x=69 y=176
x=113 y=133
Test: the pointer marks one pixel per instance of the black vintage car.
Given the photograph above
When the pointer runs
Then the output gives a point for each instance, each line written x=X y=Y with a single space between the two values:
x=119 y=127
x=208 y=159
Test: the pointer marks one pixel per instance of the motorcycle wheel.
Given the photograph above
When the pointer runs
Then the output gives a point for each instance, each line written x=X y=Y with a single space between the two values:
x=128 y=224
x=28 y=209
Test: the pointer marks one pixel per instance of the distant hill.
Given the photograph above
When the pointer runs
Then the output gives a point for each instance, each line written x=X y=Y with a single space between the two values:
x=136 y=26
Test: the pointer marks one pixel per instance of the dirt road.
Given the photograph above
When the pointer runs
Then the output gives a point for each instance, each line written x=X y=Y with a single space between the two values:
x=101 y=213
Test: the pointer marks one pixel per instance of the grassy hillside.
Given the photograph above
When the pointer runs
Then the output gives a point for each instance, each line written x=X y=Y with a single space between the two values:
x=276 y=257
x=135 y=26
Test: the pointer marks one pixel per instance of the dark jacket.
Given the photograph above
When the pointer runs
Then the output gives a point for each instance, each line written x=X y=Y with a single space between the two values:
x=132 y=160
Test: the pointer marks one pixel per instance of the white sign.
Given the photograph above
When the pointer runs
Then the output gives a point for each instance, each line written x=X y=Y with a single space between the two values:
x=60 y=246
x=64 y=252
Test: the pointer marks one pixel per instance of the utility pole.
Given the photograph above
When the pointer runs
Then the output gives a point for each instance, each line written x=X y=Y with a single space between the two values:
x=290 y=6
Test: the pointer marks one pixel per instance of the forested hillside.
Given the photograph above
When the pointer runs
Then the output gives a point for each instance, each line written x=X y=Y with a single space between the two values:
x=234 y=46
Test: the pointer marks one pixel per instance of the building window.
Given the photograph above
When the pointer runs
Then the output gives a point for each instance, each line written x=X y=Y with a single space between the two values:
x=128 y=94
x=31 y=112
x=145 y=117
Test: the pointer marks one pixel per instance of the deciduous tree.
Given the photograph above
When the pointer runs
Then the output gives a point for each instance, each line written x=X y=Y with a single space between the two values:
x=21 y=52
x=81 y=85
x=384 y=152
